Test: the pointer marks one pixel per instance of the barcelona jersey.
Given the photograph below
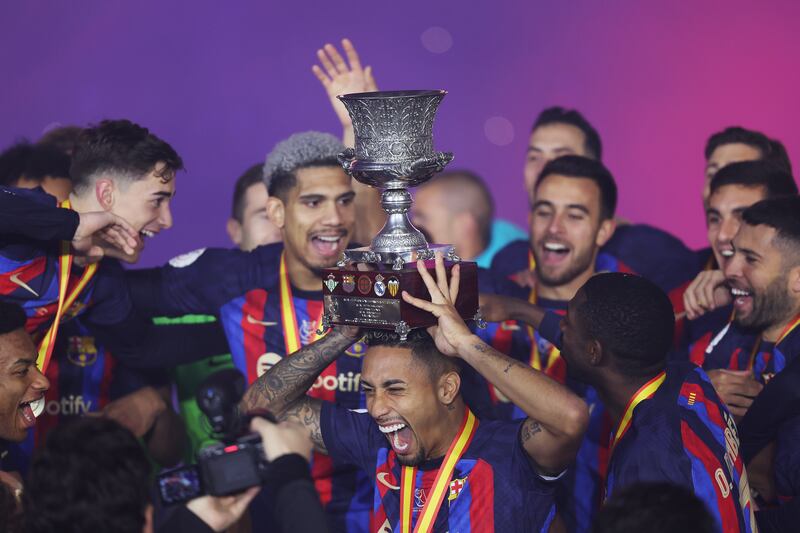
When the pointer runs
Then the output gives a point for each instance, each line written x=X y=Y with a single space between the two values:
x=84 y=378
x=494 y=487
x=684 y=435
x=243 y=289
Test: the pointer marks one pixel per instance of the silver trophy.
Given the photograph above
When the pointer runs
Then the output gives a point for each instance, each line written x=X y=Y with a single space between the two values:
x=393 y=151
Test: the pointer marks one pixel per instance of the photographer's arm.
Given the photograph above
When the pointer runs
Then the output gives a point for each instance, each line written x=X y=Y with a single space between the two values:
x=282 y=390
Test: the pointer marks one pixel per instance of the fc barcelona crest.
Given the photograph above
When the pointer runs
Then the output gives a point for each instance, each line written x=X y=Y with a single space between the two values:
x=331 y=282
x=81 y=351
x=380 y=286
x=394 y=285
x=348 y=282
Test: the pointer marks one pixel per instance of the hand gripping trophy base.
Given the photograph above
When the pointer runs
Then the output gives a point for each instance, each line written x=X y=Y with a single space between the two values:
x=394 y=151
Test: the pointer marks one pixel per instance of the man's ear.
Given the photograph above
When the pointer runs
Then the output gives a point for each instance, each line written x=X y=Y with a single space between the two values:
x=595 y=351
x=793 y=279
x=449 y=385
x=605 y=232
x=234 y=230
x=105 y=193
x=276 y=211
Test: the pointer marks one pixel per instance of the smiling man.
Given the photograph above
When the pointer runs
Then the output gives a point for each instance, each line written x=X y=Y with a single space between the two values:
x=418 y=438
x=22 y=383
x=269 y=300
x=762 y=281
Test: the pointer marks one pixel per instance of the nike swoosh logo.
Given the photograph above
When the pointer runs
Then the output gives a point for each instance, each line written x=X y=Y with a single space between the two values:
x=16 y=281
x=252 y=320
x=382 y=479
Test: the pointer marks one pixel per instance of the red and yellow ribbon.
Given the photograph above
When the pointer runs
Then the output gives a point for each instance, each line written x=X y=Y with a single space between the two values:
x=786 y=331
x=645 y=392
x=441 y=484
x=291 y=331
x=65 y=300
x=554 y=353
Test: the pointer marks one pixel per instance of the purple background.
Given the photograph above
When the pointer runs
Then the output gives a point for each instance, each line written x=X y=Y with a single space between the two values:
x=223 y=82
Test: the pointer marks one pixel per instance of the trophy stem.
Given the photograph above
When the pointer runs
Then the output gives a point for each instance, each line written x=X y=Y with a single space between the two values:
x=398 y=234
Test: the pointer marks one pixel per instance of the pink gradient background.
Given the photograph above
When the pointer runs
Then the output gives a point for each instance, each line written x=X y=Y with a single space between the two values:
x=224 y=81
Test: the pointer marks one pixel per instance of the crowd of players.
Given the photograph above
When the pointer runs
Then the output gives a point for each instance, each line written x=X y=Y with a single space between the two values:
x=624 y=383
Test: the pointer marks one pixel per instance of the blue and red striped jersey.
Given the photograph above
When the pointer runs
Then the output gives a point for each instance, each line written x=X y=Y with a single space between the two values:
x=84 y=378
x=494 y=486
x=736 y=349
x=685 y=435
x=242 y=288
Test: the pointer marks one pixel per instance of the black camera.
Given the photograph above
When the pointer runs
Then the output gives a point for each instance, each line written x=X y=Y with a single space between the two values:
x=236 y=463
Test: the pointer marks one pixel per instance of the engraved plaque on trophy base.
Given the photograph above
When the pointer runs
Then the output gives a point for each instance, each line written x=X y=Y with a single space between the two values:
x=373 y=299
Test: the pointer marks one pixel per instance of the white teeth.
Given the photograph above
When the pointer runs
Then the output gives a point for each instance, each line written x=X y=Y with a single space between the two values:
x=392 y=428
x=37 y=406
x=726 y=253
x=739 y=292
x=554 y=247
x=398 y=446
x=327 y=238
x=147 y=233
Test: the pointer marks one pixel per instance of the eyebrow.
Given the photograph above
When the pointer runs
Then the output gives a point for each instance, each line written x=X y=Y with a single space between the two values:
x=747 y=251
x=164 y=194
x=25 y=362
x=312 y=197
x=546 y=203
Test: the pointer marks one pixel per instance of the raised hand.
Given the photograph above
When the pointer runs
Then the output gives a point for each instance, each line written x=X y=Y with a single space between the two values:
x=338 y=77
x=706 y=293
x=100 y=228
x=451 y=330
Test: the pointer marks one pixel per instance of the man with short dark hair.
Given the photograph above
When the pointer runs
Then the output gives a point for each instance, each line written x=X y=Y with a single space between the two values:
x=249 y=226
x=733 y=189
x=28 y=166
x=418 y=438
x=269 y=300
x=668 y=423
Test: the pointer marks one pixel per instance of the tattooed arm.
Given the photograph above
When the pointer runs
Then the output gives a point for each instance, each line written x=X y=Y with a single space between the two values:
x=282 y=389
x=557 y=418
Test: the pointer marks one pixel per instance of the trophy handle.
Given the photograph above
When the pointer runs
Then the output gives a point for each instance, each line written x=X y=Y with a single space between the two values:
x=347 y=158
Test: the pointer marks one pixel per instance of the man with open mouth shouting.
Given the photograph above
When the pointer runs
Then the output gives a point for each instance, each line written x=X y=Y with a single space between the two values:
x=417 y=437
x=22 y=385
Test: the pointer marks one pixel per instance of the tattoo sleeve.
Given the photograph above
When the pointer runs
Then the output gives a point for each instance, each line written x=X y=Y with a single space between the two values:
x=306 y=411
x=294 y=375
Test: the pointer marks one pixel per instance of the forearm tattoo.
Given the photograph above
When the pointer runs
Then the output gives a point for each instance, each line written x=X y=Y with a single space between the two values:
x=529 y=428
x=294 y=375
x=306 y=411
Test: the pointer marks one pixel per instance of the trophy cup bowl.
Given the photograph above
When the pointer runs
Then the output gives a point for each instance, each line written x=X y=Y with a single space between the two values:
x=393 y=151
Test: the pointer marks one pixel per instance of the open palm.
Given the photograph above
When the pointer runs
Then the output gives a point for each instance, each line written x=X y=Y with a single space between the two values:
x=338 y=76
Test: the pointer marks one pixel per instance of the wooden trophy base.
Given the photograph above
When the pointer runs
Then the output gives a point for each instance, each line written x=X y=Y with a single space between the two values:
x=372 y=299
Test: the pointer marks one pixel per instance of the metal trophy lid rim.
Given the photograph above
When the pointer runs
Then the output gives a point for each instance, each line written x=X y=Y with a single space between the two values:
x=375 y=95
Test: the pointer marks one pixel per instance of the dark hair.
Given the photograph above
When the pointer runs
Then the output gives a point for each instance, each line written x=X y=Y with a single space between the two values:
x=559 y=115
x=655 y=508
x=91 y=475
x=483 y=209
x=771 y=149
x=575 y=166
x=122 y=148
x=12 y=317
x=781 y=213
x=631 y=318
x=775 y=180
x=32 y=161
x=422 y=347
x=64 y=138
x=251 y=176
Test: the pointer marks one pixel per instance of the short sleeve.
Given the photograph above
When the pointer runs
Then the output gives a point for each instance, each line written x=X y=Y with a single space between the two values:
x=350 y=436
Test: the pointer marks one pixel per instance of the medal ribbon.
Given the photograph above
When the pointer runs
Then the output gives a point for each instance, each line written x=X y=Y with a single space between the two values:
x=554 y=353
x=441 y=484
x=645 y=392
x=791 y=326
x=291 y=331
x=65 y=300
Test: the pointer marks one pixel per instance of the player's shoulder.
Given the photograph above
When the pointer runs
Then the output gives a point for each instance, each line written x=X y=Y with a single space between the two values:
x=512 y=258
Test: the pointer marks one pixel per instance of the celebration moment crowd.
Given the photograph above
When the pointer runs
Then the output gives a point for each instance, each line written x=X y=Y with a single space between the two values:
x=623 y=382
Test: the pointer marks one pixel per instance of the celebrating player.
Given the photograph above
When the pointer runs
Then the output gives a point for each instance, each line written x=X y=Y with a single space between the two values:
x=419 y=440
